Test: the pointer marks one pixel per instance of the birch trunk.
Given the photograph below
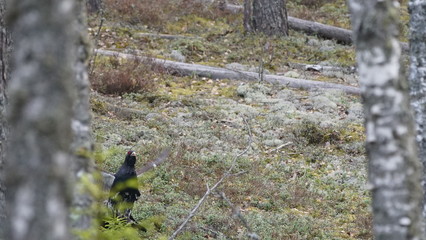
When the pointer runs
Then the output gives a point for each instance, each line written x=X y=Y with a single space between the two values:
x=4 y=76
x=394 y=169
x=266 y=16
x=417 y=78
x=40 y=108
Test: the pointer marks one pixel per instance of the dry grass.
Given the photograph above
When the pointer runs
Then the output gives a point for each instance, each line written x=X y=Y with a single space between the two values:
x=364 y=223
x=312 y=4
x=119 y=77
x=156 y=14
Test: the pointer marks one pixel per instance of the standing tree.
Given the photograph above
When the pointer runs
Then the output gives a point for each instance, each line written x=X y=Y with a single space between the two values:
x=94 y=5
x=40 y=92
x=417 y=78
x=4 y=76
x=82 y=145
x=266 y=16
x=394 y=169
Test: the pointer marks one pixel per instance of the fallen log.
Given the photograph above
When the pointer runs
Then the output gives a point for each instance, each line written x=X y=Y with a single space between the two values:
x=329 y=32
x=186 y=69
x=321 y=68
x=165 y=36
x=231 y=8
x=341 y=35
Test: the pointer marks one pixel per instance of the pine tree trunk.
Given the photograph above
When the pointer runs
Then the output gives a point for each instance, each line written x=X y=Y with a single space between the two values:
x=266 y=16
x=4 y=78
x=82 y=145
x=39 y=115
x=417 y=79
x=394 y=169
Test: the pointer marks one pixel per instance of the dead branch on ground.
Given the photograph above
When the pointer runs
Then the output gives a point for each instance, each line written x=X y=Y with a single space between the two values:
x=187 y=69
x=237 y=213
x=165 y=36
x=322 y=68
x=217 y=184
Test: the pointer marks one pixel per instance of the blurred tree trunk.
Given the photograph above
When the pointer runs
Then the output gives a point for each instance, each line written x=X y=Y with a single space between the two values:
x=266 y=16
x=40 y=92
x=82 y=145
x=4 y=77
x=417 y=78
x=94 y=6
x=394 y=169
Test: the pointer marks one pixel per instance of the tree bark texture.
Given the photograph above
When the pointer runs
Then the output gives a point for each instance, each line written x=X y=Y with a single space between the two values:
x=39 y=115
x=417 y=78
x=94 y=6
x=82 y=145
x=266 y=16
x=4 y=76
x=394 y=169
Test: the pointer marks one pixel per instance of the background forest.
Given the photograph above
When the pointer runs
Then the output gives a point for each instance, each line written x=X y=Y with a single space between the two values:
x=292 y=160
x=305 y=172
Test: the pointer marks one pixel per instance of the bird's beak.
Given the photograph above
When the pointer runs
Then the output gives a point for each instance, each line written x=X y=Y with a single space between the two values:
x=133 y=154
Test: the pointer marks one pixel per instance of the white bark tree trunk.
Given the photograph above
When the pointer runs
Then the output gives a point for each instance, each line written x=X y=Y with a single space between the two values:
x=394 y=169
x=39 y=115
x=417 y=78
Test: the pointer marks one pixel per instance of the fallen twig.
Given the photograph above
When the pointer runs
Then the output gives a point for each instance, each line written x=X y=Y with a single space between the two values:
x=210 y=190
x=280 y=146
x=237 y=213
x=216 y=233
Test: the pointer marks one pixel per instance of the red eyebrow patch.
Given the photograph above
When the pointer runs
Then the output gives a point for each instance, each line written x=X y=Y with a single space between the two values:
x=129 y=152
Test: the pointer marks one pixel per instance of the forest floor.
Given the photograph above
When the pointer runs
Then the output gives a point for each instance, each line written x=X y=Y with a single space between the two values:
x=304 y=173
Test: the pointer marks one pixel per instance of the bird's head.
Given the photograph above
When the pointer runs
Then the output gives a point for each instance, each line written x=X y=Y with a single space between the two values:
x=130 y=158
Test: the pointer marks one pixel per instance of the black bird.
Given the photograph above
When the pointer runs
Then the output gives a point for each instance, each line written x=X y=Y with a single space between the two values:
x=124 y=190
